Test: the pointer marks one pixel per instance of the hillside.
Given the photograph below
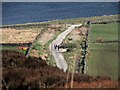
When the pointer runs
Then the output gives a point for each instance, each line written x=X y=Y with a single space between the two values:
x=21 y=72
x=39 y=70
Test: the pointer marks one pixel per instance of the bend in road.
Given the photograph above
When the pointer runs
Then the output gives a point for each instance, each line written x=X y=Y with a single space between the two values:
x=60 y=61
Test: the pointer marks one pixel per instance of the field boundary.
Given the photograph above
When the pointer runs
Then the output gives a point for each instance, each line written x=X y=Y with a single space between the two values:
x=27 y=54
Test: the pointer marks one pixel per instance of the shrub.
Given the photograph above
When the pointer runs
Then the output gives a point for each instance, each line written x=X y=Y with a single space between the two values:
x=29 y=72
x=82 y=78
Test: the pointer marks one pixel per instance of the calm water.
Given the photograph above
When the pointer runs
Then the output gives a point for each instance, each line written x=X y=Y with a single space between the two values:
x=17 y=13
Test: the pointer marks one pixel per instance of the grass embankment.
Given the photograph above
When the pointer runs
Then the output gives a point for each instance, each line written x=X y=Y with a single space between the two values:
x=72 y=43
x=72 y=56
x=103 y=59
x=43 y=49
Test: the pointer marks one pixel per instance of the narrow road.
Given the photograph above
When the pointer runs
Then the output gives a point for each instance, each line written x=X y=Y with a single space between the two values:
x=60 y=61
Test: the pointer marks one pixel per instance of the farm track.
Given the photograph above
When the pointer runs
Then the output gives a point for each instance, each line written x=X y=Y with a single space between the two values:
x=60 y=61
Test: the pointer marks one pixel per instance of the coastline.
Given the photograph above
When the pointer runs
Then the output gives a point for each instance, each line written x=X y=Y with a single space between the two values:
x=42 y=55
x=94 y=19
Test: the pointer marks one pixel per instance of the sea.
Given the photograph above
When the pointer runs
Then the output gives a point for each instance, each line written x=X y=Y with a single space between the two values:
x=30 y=12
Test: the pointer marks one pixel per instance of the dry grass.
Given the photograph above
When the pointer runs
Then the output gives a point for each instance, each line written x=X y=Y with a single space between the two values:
x=18 y=36
x=46 y=36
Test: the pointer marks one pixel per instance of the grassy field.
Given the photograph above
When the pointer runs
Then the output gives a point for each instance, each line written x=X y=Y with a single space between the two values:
x=103 y=60
x=105 y=31
x=12 y=48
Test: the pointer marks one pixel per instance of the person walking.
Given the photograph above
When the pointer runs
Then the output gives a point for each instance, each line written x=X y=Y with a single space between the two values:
x=58 y=47
x=55 y=46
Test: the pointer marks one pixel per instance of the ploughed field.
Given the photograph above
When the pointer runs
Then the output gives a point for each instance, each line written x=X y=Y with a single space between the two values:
x=103 y=60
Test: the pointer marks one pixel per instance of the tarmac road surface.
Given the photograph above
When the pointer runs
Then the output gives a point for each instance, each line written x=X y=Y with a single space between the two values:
x=60 y=61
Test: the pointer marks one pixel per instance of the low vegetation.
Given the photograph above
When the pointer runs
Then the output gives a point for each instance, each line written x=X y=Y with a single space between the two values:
x=103 y=59
x=23 y=73
x=43 y=48
x=73 y=44
x=37 y=71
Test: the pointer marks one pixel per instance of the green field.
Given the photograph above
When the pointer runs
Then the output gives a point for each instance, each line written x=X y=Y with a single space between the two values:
x=105 y=31
x=13 y=48
x=103 y=60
